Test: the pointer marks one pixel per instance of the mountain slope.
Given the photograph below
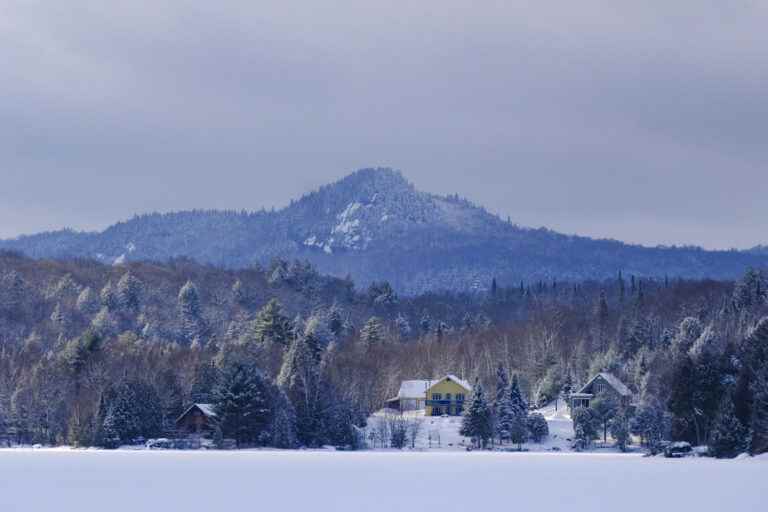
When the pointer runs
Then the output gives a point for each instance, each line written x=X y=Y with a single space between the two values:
x=374 y=225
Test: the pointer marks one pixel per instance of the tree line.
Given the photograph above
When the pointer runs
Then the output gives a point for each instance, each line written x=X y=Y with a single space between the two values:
x=95 y=354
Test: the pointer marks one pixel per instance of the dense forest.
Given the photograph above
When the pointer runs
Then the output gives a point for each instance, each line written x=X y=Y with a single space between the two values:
x=94 y=354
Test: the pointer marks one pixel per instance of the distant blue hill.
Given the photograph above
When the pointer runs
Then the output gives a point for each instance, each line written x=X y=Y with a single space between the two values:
x=374 y=225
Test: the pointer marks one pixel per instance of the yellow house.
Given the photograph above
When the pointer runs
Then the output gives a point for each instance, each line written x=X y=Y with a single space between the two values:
x=436 y=397
x=447 y=396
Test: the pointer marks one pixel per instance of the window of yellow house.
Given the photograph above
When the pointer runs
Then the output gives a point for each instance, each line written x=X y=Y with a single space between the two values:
x=437 y=396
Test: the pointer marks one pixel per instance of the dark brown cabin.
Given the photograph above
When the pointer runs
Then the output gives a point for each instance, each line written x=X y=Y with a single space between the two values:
x=198 y=419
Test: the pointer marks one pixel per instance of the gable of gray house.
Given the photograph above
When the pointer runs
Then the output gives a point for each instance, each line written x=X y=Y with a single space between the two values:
x=602 y=383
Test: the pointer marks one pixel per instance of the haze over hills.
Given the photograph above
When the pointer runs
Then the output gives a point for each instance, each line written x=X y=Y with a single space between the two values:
x=374 y=225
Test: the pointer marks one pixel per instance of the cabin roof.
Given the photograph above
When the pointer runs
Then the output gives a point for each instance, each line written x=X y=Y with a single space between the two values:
x=612 y=381
x=207 y=410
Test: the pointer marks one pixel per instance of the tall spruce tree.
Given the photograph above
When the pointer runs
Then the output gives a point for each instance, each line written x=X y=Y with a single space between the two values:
x=300 y=379
x=729 y=437
x=759 y=416
x=190 y=312
x=271 y=325
x=604 y=407
x=128 y=293
x=241 y=400
x=502 y=387
x=519 y=414
x=619 y=428
x=477 y=423
x=372 y=332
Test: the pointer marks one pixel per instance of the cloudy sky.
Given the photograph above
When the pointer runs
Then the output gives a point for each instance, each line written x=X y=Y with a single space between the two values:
x=643 y=121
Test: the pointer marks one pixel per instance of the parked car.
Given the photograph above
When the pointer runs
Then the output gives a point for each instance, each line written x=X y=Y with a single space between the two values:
x=678 y=450
x=160 y=444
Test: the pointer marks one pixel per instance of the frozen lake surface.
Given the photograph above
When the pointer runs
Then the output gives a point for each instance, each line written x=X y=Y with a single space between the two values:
x=45 y=480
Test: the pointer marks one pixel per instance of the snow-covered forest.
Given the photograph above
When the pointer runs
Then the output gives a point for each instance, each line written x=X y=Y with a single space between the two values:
x=99 y=355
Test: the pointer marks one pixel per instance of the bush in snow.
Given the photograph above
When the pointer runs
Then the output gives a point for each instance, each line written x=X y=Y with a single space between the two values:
x=538 y=429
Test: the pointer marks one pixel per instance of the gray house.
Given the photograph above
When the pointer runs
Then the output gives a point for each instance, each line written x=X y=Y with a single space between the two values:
x=602 y=383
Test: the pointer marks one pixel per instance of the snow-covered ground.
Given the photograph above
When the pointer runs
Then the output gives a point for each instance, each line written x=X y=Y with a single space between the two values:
x=130 y=481
x=442 y=433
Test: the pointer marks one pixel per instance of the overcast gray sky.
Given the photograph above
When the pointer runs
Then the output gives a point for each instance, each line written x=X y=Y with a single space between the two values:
x=642 y=121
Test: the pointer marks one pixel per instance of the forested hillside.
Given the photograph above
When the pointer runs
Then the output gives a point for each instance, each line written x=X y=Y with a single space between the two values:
x=374 y=225
x=100 y=354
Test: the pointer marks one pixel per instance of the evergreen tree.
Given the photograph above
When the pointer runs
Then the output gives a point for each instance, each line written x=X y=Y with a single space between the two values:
x=87 y=302
x=505 y=417
x=190 y=312
x=128 y=293
x=242 y=403
x=516 y=397
x=109 y=296
x=759 y=416
x=318 y=329
x=502 y=388
x=283 y=428
x=372 y=332
x=299 y=378
x=729 y=436
x=13 y=289
x=104 y=323
x=602 y=315
x=751 y=290
x=619 y=427
x=650 y=424
x=271 y=325
x=518 y=429
x=336 y=321
x=584 y=426
x=688 y=332
x=681 y=402
x=604 y=408
x=477 y=423
x=129 y=411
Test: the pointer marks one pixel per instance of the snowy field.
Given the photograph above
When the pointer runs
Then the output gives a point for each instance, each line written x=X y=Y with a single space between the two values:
x=47 y=480
x=441 y=433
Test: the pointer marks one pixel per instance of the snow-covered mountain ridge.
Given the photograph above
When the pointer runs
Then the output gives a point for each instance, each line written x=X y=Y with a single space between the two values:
x=374 y=225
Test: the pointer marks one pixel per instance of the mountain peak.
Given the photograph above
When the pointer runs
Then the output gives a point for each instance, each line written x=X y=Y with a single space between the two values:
x=360 y=209
x=365 y=183
x=375 y=225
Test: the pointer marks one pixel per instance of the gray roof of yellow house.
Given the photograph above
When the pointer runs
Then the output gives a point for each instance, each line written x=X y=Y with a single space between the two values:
x=417 y=389
x=612 y=381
